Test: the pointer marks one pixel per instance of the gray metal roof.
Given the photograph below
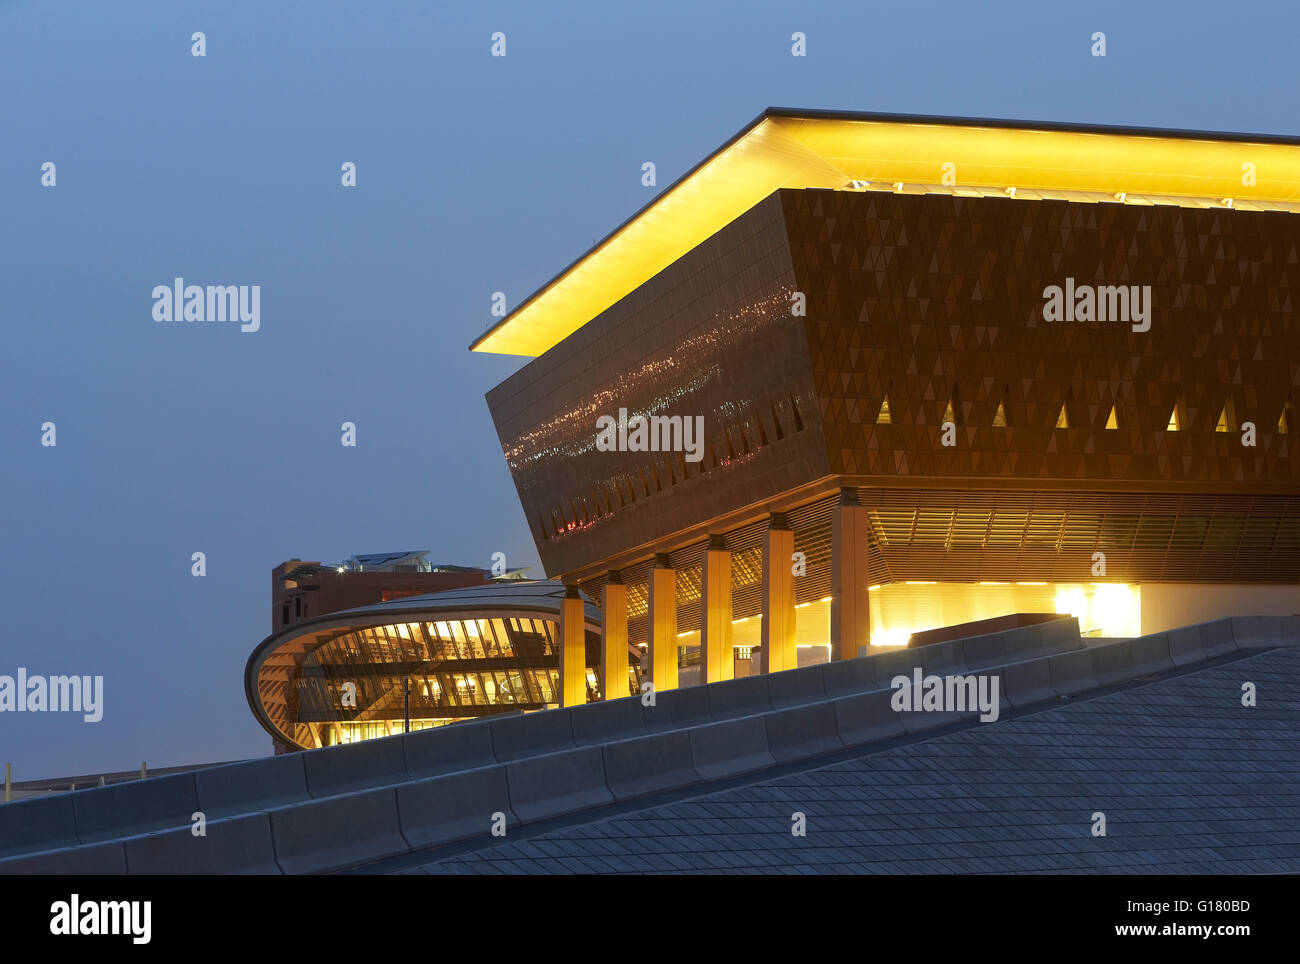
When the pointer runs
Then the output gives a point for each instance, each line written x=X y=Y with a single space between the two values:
x=1190 y=781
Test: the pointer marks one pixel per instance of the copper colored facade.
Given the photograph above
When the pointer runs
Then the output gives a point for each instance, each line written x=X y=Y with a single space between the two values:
x=711 y=336
x=885 y=387
x=935 y=303
x=934 y=300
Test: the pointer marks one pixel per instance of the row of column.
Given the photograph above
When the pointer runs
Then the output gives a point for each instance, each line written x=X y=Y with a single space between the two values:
x=850 y=629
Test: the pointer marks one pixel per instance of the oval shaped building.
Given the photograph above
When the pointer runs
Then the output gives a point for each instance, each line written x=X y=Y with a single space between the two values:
x=468 y=652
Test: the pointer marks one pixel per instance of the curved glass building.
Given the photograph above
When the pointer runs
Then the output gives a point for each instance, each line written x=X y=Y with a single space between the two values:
x=467 y=653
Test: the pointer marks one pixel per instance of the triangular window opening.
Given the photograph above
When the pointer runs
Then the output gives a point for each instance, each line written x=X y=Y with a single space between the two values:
x=776 y=420
x=1223 y=422
x=1284 y=420
x=1175 y=422
x=1112 y=421
x=884 y=418
x=954 y=405
x=1063 y=420
x=1000 y=416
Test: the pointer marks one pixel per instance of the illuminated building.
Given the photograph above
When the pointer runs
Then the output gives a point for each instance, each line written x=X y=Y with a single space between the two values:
x=467 y=653
x=896 y=436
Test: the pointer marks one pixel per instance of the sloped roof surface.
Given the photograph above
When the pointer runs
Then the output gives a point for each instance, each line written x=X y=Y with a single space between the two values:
x=1190 y=781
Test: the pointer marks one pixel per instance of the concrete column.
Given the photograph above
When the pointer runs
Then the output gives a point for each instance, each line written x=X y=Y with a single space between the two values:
x=779 y=652
x=718 y=657
x=573 y=649
x=613 y=638
x=850 y=610
x=663 y=625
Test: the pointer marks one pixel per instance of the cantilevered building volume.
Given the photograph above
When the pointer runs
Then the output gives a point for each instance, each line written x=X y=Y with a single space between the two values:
x=901 y=428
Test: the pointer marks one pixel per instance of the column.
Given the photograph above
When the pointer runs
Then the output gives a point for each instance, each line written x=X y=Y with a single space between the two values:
x=663 y=625
x=613 y=638
x=718 y=658
x=573 y=649
x=850 y=612
x=778 y=636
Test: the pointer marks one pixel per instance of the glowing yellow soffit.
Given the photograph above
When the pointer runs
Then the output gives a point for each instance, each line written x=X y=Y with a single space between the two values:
x=822 y=152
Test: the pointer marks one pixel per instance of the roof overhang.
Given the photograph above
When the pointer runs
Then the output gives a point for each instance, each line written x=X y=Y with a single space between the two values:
x=827 y=149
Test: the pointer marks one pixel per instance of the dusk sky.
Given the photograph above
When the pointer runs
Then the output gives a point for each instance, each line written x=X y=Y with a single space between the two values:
x=474 y=174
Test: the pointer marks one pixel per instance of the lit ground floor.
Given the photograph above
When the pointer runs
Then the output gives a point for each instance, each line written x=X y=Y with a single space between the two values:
x=835 y=575
x=1111 y=610
x=845 y=572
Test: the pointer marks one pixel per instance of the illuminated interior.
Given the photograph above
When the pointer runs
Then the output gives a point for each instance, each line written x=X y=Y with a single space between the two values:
x=787 y=149
x=812 y=630
x=458 y=668
x=1111 y=610
x=342 y=677
x=900 y=609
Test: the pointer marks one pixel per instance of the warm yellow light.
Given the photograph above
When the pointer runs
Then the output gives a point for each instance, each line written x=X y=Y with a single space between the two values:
x=1031 y=584
x=891 y=637
x=920 y=582
x=994 y=583
x=1108 y=608
x=1116 y=609
x=873 y=588
x=1072 y=602
x=826 y=599
x=810 y=151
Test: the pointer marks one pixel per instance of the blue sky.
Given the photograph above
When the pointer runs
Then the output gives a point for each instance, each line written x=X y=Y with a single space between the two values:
x=475 y=174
